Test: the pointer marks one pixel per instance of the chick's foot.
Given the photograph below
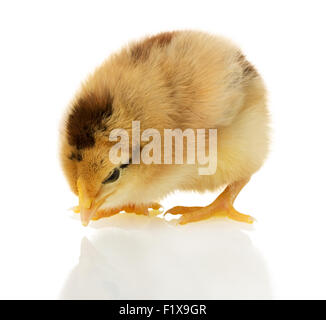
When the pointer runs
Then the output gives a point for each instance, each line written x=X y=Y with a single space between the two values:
x=101 y=213
x=222 y=207
x=105 y=213
x=150 y=209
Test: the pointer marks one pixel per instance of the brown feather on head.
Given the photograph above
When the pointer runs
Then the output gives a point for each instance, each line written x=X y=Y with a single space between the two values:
x=87 y=116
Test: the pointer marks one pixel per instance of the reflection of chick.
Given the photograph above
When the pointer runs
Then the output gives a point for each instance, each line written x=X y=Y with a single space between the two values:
x=172 y=80
x=104 y=272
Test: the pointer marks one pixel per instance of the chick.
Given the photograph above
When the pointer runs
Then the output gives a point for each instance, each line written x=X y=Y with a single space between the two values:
x=181 y=79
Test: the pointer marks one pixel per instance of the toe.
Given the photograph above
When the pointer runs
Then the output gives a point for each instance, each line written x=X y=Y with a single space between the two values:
x=155 y=206
x=235 y=215
x=181 y=210
x=141 y=210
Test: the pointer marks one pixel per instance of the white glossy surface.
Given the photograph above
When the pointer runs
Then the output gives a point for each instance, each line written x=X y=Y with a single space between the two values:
x=45 y=252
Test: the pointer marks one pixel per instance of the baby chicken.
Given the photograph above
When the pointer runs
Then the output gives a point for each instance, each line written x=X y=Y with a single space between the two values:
x=181 y=79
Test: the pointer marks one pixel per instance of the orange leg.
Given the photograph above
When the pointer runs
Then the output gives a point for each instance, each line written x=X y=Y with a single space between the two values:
x=222 y=206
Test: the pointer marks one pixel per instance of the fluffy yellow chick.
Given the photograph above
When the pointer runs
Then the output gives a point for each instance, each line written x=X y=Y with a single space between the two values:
x=182 y=79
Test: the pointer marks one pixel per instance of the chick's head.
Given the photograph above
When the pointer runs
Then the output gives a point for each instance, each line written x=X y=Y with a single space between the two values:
x=85 y=160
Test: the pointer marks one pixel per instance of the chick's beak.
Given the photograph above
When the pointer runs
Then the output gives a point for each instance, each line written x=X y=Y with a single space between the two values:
x=87 y=205
x=86 y=213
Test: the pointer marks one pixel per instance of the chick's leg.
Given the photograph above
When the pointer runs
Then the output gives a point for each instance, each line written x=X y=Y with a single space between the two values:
x=222 y=206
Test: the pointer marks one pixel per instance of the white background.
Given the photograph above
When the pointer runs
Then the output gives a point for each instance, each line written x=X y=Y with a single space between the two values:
x=48 y=47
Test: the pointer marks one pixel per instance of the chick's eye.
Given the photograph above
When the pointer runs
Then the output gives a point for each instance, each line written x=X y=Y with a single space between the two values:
x=114 y=176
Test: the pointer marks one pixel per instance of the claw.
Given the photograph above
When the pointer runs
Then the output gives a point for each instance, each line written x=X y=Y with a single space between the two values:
x=76 y=209
x=156 y=206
